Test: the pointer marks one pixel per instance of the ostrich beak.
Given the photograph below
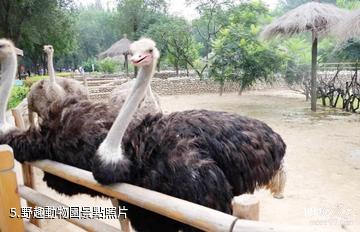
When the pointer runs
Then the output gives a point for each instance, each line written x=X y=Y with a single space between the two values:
x=19 y=52
x=137 y=59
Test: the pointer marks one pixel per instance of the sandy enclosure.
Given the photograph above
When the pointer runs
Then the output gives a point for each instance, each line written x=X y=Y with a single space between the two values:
x=322 y=160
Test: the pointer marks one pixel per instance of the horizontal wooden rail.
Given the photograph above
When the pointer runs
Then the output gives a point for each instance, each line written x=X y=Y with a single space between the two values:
x=192 y=214
x=189 y=213
x=43 y=201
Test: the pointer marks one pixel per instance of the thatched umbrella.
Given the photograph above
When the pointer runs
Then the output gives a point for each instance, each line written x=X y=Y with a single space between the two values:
x=349 y=27
x=119 y=48
x=314 y=17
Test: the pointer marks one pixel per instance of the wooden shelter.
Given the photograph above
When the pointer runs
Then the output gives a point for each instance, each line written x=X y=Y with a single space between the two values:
x=349 y=27
x=119 y=48
x=314 y=17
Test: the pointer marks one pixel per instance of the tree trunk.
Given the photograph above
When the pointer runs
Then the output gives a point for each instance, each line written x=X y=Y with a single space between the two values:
x=221 y=89
x=241 y=89
x=187 y=71
x=158 y=66
x=177 y=69
x=126 y=65
x=313 y=71
x=307 y=94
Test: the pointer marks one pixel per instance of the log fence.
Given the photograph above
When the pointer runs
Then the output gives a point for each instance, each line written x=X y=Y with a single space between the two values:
x=339 y=86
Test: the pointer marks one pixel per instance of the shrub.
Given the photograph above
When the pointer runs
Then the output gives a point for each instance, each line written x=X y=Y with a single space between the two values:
x=18 y=93
x=109 y=65
x=64 y=74
x=87 y=65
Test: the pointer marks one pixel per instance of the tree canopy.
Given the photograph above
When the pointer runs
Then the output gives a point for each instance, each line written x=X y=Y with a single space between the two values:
x=221 y=43
x=239 y=55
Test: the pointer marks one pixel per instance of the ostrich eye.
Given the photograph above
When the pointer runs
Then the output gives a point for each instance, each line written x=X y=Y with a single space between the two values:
x=150 y=50
x=2 y=45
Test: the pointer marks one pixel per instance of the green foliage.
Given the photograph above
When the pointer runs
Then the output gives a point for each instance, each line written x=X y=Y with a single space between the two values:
x=31 y=24
x=239 y=56
x=176 y=42
x=18 y=93
x=87 y=65
x=96 y=30
x=213 y=17
x=109 y=65
x=349 y=51
x=64 y=74
x=135 y=16
x=349 y=4
x=297 y=54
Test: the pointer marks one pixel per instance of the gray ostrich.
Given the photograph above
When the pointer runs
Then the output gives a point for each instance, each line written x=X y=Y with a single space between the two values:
x=49 y=90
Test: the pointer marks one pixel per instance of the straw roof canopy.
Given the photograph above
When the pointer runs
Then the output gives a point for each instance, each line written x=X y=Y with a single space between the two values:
x=311 y=16
x=349 y=27
x=119 y=48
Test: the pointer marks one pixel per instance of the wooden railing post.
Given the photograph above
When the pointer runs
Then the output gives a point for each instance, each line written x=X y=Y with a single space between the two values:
x=246 y=206
x=27 y=170
x=9 y=196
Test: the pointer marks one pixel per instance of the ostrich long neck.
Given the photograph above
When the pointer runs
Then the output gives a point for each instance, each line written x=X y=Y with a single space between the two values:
x=51 y=69
x=117 y=131
x=8 y=67
x=152 y=96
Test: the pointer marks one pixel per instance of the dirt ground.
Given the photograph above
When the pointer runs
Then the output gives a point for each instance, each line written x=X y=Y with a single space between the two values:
x=322 y=160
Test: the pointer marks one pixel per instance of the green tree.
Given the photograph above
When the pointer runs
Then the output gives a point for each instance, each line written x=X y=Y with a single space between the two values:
x=174 y=38
x=213 y=17
x=96 y=30
x=239 y=56
x=109 y=65
x=31 y=24
x=135 y=16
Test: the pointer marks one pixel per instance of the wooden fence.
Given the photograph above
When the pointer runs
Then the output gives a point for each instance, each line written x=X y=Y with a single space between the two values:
x=339 y=85
x=192 y=214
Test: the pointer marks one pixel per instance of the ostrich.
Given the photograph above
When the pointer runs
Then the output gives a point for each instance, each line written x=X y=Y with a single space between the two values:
x=46 y=91
x=181 y=153
x=202 y=156
x=8 y=61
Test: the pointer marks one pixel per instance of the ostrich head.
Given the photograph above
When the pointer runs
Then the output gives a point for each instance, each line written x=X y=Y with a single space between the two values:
x=144 y=52
x=7 y=49
x=48 y=49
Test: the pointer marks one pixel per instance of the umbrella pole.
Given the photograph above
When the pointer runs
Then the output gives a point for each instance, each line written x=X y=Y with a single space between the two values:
x=313 y=71
x=127 y=66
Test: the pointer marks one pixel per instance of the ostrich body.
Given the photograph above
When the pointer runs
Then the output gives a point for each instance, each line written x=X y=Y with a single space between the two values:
x=201 y=156
x=49 y=90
